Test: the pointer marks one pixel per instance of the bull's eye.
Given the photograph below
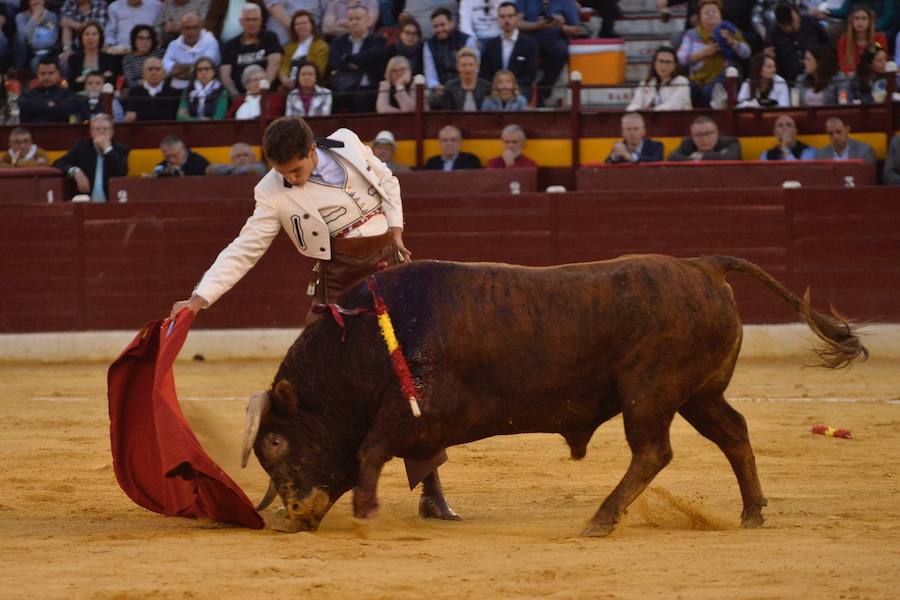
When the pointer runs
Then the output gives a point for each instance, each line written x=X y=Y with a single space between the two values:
x=275 y=444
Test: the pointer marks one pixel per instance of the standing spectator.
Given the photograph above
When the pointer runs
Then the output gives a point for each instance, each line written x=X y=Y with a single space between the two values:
x=384 y=146
x=420 y=11
x=505 y=94
x=154 y=99
x=764 y=88
x=308 y=98
x=73 y=16
x=124 y=15
x=450 y=158
x=249 y=104
x=48 y=102
x=788 y=147
x=510 y=50
x=664 y=88
x=22 y=151
x=92 y=101
x=885 y=11
x=336 y=21
x=478 y=19
x=467 y=91
x=891 y=170
x=842 y=146
x=356 y=61
x=144 y=44
x=205 y=98
x=243 y=162
x=283 y=17
x=252 y=47
x=91 y=162
x=181 y=55
x=172 y=15
x=790 y=38
x=37 y=34
x=394 y=92
x=92 y=58
x=820 y=82
x=439 y=54
x=224 y=17
x=551 y=23
x=409 y=45
x=860 y=35
x=707 y=50
x=869 y=85
x=178 y=159
x=513 y=138
x=305 y=45
x=635 y=146
x=705 y=143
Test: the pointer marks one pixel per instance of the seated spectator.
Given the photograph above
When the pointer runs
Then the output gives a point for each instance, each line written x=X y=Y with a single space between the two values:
x=384 y=146
x=421 y=10
x=252 y=47
x=91 y=162
x=144 y=44
x=223 y=18
x=883 y=13
x=37 y=34
x=860 y=35
x=891 y=172
x=308 y=98
x=478 y=19
x=450 y=158
x=764 y=88
x=172 y=15
x=409 y=45
x=550 y=23
x=842 y=146
x=22 y=151
x=467 y=91
x=790 y=38
x=48 y=101
x=243 y=162
x=705 y=143
x=154 y=99
x=356 y=61
x=205 y=98
x=664 y=88
x=72 y=17
x=282 y=19
x=707 y=50
x=125 y=15
x=92 y=58
x=304 y=46
x=336 y=20
x=248 y=105
x=395 y=94
x=92 y=98
x=821 y=82
x=513 y=138
x=510 y=50
x=869 y=85
x=635 y=146
x=184 y=51
x=788 y=147
x=439 y=56
x=178 y=160
x=505 y=94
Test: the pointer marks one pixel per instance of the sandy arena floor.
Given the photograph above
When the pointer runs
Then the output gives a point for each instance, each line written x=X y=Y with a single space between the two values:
x=832 y=530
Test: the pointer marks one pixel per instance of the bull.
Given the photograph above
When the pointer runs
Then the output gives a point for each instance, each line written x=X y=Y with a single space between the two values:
x=497 y=349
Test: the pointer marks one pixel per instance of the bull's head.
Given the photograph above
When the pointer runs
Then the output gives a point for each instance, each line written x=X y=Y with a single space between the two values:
x=306 y=468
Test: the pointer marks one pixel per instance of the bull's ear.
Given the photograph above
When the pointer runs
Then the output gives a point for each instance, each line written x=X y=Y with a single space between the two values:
x=285 y=397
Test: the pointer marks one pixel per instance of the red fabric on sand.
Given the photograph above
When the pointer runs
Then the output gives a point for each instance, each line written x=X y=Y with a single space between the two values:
x=158 y=460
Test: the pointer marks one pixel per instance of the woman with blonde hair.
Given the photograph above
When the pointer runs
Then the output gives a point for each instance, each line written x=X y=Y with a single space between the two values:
x=394 y=93
x=467 y=91
x=505 y=94
x=305 y=45
x=860 y=35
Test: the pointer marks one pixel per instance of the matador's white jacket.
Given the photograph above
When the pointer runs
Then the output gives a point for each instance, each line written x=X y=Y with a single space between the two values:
x=293 y=208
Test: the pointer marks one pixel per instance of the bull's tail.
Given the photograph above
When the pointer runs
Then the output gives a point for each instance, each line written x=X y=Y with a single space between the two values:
x=840 y=345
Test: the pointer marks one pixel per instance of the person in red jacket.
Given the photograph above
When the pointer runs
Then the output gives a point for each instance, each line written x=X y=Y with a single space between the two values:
x=860 y=35
x=514 y=140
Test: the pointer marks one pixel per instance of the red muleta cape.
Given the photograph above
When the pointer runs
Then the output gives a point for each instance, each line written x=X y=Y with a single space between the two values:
x=158 y=460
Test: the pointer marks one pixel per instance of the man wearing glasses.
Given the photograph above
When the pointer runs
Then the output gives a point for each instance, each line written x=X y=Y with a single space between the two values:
x=193 y=44
x=705 y=143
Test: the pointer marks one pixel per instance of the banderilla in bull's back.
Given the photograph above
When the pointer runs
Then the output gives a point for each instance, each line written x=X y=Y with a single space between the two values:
x=497 y=349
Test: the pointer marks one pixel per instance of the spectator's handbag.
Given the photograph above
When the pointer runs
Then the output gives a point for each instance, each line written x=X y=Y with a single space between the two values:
x=345 y=81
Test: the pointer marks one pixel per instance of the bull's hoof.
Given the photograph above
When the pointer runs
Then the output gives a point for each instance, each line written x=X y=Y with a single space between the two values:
x=752 y=520
x=436 y=507
x=598 y=529
x=286 y=525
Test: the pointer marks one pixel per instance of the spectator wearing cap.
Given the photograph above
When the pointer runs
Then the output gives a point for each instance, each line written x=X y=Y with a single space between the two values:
x=243 y=162
x=451 y=158
x=48 y=102
x=178 y=159
x=184 y=51
x=705 y=143
x=384 y=146
x=308 y=98
x=512 y=157
x=842 y=146
x=635 y=146
x=788 y=147
x=22 y=151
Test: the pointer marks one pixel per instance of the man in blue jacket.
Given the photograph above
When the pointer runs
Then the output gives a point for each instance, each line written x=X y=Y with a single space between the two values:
x=635 y=146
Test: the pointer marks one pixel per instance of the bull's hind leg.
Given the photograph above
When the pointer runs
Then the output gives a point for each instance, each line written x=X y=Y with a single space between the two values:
x=716 y=420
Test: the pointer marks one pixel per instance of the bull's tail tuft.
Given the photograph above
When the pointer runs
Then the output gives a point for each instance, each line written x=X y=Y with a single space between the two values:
x=840 y=343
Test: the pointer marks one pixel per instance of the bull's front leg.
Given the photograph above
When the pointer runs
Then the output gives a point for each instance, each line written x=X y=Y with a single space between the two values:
x=372 y=457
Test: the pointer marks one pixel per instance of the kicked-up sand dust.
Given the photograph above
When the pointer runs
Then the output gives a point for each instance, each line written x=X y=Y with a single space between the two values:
x=832 y=528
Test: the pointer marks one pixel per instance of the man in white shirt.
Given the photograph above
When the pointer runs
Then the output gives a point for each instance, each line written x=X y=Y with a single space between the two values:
x=339 y=204
x=124 y=15
x=193 y=44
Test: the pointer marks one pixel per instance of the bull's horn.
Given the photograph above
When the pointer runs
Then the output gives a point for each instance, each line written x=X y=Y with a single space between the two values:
x=258 y=406
x=267 y=499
